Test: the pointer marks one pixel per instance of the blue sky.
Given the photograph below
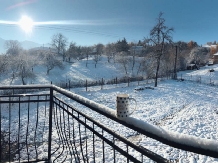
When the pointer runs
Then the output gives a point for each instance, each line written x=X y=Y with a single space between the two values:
x=89 y=22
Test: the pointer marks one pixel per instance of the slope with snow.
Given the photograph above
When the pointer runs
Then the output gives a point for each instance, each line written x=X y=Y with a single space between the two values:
x=74 y=72
x=179 y=106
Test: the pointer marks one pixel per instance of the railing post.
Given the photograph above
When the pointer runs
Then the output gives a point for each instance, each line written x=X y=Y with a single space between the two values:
x=50 y=124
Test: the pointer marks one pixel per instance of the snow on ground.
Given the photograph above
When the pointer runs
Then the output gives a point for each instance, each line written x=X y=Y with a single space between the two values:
x=165 y=102
x=73 y=71
x=184 y=107
x=181 y=107
x=202 y=75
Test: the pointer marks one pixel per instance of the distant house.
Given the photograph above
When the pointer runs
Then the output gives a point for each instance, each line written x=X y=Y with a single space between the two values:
x=215 y=58
x=137 y=50
x=209 y=46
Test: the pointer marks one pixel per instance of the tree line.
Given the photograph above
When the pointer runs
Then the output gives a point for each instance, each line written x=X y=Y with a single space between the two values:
x=154 y=55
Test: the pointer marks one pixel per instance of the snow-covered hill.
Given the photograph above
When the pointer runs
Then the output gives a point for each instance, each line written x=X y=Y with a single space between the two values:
x=180 y=106
x=74 y=72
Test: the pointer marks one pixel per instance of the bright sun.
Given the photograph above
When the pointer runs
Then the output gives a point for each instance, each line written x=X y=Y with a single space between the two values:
x=26 y=23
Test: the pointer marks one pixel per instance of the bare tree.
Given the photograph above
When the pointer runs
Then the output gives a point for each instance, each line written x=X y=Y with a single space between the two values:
x=21 y=66
x=96 y=58
x=141 y=65
x=72 y=51
x=87 y=50
x=12 y=66
x=184 y=59
x=159 y=35
x=139 y=69
x=167 y=63
x=148 y=66
x=133 y=50
x=59 y=42
x=13 y=47
x=199 y=55
x=77 y=52
x=25 y=69
x=124 y=60
x=80 y=53
x=110 y=50
x=50 y=61
x=4 y=60
x=98 y=53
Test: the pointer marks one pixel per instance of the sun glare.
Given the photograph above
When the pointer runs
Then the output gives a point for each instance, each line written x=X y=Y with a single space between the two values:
x=26 y=23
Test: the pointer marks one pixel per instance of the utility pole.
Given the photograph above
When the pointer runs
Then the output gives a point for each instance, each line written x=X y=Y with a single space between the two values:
x=175 y=73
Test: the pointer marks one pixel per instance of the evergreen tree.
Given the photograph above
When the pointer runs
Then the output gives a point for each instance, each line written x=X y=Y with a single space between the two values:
x=122 y=46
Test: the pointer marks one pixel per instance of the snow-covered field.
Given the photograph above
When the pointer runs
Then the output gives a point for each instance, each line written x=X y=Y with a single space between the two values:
x=203 y=75
x=180 y=106
x=183 y=107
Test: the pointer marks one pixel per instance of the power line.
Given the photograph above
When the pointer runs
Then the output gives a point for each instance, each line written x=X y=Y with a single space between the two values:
x=78 y=30
x=74 y=29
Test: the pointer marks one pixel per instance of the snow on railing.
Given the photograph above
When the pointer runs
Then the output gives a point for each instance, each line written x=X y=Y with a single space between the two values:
x=177 y=140
x=182 y=141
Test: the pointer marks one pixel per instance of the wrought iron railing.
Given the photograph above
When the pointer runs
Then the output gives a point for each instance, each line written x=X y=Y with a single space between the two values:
x=47 y=123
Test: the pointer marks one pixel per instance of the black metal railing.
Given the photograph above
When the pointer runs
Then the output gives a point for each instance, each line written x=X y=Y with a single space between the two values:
x=24 y=125
x=47 y=123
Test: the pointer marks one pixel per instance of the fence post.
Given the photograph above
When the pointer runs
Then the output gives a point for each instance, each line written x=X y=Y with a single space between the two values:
x=51 y=82
x=50 y=123
x=66 y=85
x=102 y=82
x=69 y=85
x=116 y=81
x=86 y=85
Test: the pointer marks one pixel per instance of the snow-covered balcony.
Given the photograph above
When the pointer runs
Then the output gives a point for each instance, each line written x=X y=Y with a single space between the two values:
x=47 y=123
